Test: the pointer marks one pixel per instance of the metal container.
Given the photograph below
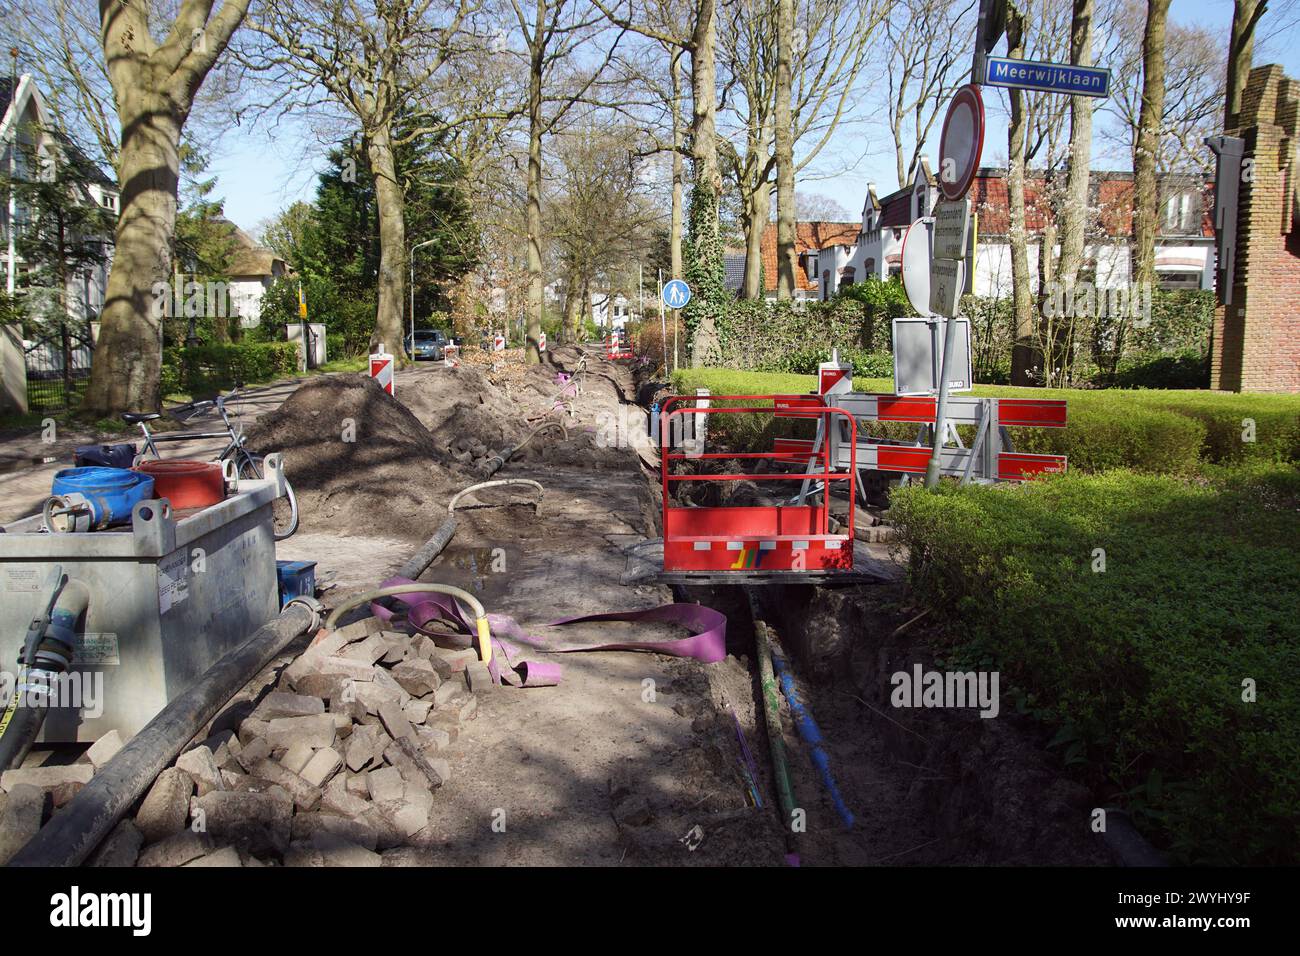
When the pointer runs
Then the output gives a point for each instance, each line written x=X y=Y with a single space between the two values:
x=168 y=597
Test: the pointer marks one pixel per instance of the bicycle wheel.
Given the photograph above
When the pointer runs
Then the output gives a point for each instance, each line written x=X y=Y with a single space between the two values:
x=285 y=509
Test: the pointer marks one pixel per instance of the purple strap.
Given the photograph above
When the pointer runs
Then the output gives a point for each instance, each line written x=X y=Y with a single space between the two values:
x=707 y=642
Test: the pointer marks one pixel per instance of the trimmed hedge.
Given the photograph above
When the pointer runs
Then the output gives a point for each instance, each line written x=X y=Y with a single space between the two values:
x=1142 y=665
x=1159 y=432
x=210 y=367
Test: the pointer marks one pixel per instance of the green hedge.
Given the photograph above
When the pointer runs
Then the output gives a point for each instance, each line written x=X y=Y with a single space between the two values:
x=1141 y=666
x=210 y=367
x=1159 y=432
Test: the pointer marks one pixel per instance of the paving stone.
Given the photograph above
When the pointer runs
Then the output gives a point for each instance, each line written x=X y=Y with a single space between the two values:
x=317 y=731
x=21 y=819
x=365 y=746
x=339 y=799
x=226 y=856
x=454 y=659
x=372 y=696
x=202 y=767
x=258 y=822
x=120 y=848
x=307 y=825
x=337 y=851
x=252 y=728
x=280 y=703
x=406 y=816
x=47 y=778
x=448 y=723
x=412 y=764
x=254 y=753
x=385 y=679
x=395 y=721
x=323 y=764
x=296 y=757
x=399 y=649
x=417 y=711
x=369 y=650
x=386 y=784
x=176 y=850
x=390 y=835
x=305 y=796
x=358 y=630
x=445 y=693
x=417 y=677
x=478 y=679
x=104 y=749
x=329 y=686
x=165 y=806
x=433 y=739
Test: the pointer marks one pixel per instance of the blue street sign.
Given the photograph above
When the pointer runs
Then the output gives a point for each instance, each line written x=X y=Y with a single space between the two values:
x=676 y=294
x=1048 y=77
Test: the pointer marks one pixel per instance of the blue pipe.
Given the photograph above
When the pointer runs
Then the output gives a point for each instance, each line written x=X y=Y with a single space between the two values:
x=812 y=736
x=111 y=492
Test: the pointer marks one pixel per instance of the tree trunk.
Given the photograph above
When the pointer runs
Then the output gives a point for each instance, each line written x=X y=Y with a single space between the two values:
x=1023 y=359
x=1148 y=144
x=536 y=284
x=760 y=201
x=127 y=369
x=392 y=246
x=572 y=309
x=1241 y=45
x=679 y=176
x=785 y=220
x=706 y=239
x=1074 y=213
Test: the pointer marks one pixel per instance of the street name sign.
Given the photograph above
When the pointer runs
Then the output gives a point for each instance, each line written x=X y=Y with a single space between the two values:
x=1047 y=77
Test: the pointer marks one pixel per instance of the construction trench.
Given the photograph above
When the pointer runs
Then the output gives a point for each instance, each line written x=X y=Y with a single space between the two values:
x=370 y=737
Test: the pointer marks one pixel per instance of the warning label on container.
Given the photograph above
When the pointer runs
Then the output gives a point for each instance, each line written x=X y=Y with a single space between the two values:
x=97 y=649
x=23 y=580
x=173 y=582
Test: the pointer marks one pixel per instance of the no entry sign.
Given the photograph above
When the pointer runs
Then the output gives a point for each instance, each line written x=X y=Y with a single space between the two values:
x=961 y=143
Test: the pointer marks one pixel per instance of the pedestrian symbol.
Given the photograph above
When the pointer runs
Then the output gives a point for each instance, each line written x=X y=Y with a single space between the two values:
x=676 y=294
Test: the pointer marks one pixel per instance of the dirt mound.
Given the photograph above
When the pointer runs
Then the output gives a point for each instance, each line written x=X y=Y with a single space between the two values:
x=359 y=460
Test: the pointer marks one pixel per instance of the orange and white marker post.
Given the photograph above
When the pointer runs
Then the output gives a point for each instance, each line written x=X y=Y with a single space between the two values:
x=541 y=342
x=381 y=369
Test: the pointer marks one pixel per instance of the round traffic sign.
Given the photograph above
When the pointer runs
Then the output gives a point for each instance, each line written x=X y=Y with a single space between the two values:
x=916 y=264
x=676 y=294
x=961 y=143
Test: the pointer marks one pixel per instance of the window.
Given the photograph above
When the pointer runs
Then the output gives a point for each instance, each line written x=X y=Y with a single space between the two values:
x=1181 y=212
x=871 y=267
x=1178 y=280
x=826 y=284
x=108 y=201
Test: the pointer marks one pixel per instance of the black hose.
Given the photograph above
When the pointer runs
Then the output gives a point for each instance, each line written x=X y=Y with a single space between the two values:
x=20 y=733
x=80 y=826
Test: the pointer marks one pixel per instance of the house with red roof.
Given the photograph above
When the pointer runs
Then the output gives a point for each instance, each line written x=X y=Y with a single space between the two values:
x=1184 y=244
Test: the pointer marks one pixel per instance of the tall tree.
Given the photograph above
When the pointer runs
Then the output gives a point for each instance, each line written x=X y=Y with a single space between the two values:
x=552 y=30
x=1022 y=350
x=1145 y=197
x=1074 y=212
x=154 y=84
x=785 y=221
x=369 y=58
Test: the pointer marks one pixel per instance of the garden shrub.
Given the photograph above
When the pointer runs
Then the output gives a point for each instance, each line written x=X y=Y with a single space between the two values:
x=1141 y=665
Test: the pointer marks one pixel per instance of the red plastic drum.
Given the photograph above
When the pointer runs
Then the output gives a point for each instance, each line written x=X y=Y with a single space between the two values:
x=186 y=484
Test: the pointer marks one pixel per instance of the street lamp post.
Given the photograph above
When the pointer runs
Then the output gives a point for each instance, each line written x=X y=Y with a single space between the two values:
x=411 y=257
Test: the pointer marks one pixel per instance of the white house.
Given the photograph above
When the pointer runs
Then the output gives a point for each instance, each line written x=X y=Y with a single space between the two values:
x=251 y=271
x=1184 y=244
x=27 y=131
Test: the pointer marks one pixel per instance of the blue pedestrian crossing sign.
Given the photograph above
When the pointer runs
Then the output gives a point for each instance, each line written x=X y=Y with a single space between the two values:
x=676 y=294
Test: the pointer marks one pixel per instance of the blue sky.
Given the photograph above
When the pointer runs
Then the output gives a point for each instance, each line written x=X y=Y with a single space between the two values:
x=258 y=174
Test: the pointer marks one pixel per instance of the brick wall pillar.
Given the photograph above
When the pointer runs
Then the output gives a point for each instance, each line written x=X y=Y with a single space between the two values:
x=1256 y=340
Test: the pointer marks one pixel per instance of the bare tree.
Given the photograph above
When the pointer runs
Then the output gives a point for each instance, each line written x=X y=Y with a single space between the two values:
x=154 y=78
x=1241 y=46
x=928 y=43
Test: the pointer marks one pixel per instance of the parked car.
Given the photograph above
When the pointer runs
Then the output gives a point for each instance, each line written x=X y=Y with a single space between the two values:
x=429 y=344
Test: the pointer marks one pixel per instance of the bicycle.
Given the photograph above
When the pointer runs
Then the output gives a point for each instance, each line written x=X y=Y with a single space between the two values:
x=247 y=464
